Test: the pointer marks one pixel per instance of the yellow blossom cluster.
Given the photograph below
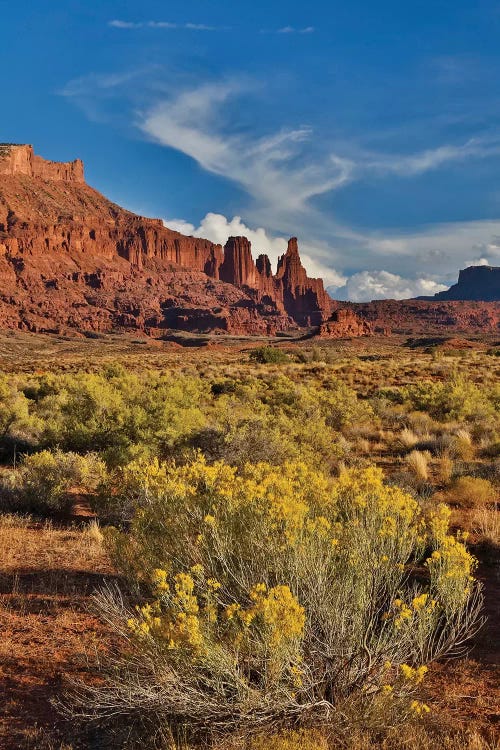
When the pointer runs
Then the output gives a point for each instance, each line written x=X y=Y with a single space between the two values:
x=403 y=613
x=276 y=608
x=450 y=565
x=178 y=625
x=411 y=674
x=419 y=709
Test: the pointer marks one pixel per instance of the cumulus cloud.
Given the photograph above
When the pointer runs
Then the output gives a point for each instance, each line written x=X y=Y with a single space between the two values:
x=369 y=285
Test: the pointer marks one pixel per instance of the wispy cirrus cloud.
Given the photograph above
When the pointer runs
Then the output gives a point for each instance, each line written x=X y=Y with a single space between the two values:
x=130 y=25
x=270 y=168
x=293 y=30
x=290 y=30
x=117 y=23
x=283 y=172
x=424 y=161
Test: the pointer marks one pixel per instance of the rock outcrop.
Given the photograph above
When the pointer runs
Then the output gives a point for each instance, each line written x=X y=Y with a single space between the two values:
x=307 y=297
x=20 y=159
x=343 y=324
x=292 y=291
x=480 y=283
x=238 y=266
x=425 y=316
x=71 y=258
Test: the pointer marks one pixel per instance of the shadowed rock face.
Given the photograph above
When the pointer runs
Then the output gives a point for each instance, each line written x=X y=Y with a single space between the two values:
x=307 y=298
x=59 y=239
x=474 y=283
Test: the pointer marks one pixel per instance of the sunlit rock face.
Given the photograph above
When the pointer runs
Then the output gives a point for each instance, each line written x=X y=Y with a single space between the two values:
x=70 y=258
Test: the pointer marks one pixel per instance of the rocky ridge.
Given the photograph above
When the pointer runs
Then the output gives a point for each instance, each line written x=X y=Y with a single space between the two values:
x=70 y=258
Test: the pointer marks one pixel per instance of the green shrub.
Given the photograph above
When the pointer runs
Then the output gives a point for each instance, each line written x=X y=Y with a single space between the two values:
x=269 y=355
x=457 y=398
x=43 y=482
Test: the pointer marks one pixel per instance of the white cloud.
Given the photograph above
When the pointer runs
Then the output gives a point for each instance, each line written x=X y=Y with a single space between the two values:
x=442 y=245
x=478 y=262
x=269 y=168
x=293 y=30
x=424 y=161
x=290 y=30
x=368 y=285
x=118 y=24
x=283 y=171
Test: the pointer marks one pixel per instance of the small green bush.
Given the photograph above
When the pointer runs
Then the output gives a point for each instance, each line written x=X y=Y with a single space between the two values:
x=45 y=479
x=269 y=355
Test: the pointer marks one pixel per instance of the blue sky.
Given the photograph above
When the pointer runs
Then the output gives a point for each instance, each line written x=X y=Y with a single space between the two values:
x=369 y=130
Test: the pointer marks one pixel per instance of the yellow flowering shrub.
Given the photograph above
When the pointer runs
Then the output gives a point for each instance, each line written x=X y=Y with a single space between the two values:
x=280 y=590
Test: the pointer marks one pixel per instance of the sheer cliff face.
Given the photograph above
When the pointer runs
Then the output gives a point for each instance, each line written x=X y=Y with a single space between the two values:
x=58 y=234
x=307 y=297
x=46 y=207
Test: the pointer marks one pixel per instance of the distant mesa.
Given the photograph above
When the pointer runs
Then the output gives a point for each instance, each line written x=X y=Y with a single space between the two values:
x=480 y=283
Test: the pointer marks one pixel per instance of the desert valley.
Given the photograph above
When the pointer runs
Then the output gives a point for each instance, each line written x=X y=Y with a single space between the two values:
x=235 y=512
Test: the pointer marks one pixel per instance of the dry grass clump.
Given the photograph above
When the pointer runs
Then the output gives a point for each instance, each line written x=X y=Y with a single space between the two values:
x=485 y=522
x=418 y=463
x=472 y=492
x=445 y=469
x=461 y=445
x=408 y=438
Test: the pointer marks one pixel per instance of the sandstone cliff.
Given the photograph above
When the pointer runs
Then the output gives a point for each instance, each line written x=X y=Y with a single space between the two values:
x=71 y=258
x=427 y=316
x=20 y=159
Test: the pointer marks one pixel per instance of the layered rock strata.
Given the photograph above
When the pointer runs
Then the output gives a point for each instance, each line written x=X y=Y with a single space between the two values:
x=71 y=258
